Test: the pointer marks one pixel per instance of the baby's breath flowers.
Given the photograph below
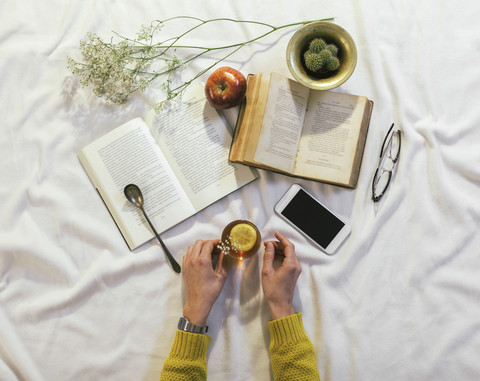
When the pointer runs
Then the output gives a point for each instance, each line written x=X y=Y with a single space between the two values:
x=119 y=67
x=228 y=246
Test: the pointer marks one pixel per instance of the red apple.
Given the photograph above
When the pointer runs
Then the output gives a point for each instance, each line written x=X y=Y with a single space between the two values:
x=225 y=87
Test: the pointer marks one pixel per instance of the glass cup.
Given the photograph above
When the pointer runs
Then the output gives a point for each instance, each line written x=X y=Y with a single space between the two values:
x=240 y=239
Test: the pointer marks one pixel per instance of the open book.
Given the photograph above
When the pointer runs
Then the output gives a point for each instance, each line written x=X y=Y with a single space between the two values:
x=286 y=127
x=178 y=158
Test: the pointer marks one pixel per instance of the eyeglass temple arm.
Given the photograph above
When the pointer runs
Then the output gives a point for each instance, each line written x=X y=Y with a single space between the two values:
x=385 y=139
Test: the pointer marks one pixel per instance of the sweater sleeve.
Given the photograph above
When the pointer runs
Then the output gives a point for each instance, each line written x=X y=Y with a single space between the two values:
x=188 y=357
x=291 y=351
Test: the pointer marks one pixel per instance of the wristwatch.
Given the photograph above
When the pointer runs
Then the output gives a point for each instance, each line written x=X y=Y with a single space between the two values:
x=185 y=325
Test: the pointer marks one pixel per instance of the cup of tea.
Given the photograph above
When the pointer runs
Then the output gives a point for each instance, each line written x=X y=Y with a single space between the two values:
x=240 y=239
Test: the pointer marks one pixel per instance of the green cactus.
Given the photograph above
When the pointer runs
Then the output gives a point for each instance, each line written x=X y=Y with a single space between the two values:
x=332 y=63
x=325 y=54
x=333 y=49
x=321 y=57
x=317 y=45
x=313 y=61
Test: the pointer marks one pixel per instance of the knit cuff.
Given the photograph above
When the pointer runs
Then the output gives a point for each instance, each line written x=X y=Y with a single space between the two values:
x=190 y=345
x=287 y=329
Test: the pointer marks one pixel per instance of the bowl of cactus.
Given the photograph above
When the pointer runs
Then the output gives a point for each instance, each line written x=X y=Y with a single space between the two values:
x=321 y=55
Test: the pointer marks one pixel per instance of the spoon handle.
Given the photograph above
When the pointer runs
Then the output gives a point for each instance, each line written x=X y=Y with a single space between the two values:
x=173 y=262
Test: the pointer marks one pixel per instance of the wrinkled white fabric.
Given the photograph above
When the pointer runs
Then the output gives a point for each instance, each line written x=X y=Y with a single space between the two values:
x=399 y=301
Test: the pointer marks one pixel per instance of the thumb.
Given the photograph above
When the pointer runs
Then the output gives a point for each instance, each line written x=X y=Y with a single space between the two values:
x=268 y=257
x=220 y=265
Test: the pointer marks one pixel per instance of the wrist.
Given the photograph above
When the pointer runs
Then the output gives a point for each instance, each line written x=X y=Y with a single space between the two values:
x=279 y=312
x=197 y=316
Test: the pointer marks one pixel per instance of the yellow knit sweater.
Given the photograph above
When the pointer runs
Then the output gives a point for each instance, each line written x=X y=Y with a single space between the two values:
x=291 y=353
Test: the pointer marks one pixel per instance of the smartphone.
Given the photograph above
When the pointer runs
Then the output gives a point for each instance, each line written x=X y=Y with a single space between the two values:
x=324 y=228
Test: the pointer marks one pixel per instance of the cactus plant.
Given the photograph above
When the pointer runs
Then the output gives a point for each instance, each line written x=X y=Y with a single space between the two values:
x=313 y=61
x=332 y=64
x=333 y=49
x=317 y=45
x=321 y=57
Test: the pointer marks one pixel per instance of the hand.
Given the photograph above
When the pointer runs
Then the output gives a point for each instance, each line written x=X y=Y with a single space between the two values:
x=202 y=283
x=279 y=284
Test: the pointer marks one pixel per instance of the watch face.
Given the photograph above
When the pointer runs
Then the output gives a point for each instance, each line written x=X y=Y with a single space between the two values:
x=181 y=323
x=185 y=325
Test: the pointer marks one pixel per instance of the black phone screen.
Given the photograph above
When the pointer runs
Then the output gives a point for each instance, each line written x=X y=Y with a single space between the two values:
x=312 y=218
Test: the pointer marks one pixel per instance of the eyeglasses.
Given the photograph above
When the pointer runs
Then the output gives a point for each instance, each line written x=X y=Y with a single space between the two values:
x=387 y=162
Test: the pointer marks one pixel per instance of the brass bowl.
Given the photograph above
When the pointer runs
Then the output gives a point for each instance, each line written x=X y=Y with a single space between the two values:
x=331 y=33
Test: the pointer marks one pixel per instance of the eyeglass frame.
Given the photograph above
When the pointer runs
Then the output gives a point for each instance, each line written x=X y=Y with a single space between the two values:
x=386 y=142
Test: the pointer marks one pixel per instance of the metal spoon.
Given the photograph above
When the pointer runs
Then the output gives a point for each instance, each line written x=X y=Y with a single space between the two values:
x=134 y=195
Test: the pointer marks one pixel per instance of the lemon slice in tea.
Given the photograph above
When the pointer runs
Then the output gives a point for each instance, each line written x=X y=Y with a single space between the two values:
x=243 y=236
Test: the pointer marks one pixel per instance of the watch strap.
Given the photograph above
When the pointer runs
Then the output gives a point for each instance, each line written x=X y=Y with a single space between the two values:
x=185 y=325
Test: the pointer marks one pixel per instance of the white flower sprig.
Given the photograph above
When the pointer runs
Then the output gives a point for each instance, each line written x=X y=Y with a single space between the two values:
x=229 y=246
x=117 y=69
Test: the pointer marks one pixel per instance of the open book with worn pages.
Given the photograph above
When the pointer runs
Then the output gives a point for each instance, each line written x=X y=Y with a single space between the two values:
x=286 y=127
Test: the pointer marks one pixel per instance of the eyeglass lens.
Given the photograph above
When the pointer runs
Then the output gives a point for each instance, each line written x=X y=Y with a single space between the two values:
x=390 y=151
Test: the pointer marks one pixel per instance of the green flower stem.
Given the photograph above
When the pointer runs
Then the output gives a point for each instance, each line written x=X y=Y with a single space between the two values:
x=241 y=44
x=116 y=70
x=238 y=46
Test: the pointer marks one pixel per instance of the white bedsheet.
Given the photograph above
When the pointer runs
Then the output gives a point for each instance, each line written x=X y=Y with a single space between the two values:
x=399 y=301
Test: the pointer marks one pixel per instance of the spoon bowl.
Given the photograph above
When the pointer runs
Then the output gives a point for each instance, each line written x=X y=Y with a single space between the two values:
x=134 y=195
